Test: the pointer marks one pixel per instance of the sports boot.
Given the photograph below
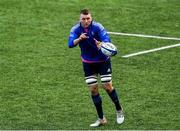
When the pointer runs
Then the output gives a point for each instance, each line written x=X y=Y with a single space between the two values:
x=120 y=117
x=99 y=122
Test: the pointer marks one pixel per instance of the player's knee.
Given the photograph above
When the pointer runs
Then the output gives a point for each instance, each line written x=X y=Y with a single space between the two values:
x=91 y=80
x=94 y=89
x=94 y=92
x=108 y=87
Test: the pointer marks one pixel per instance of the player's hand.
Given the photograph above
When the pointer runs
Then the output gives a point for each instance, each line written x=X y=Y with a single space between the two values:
x=83 y=36
x=98 y=43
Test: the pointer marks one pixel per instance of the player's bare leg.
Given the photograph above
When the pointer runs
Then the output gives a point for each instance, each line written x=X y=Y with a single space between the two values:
x=98 y=104
x=113 y=95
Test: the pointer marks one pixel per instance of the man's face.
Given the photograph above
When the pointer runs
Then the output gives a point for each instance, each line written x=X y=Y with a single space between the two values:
x=85 y=20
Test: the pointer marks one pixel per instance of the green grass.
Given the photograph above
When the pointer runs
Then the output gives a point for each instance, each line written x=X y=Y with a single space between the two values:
x=42 y=84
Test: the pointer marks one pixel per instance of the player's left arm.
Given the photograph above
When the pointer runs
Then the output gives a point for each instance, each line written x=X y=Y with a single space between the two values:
x=104 y=36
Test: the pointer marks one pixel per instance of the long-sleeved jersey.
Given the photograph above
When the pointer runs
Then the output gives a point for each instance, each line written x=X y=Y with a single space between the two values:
x=89 y=50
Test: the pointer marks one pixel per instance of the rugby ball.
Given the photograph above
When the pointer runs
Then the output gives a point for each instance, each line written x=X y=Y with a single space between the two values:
x=108 y=49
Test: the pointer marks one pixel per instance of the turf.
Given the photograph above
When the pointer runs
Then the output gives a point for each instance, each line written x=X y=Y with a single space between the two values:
x=42 y=85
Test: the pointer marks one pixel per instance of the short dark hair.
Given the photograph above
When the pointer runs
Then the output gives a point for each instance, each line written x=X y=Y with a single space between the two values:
x=85 y=12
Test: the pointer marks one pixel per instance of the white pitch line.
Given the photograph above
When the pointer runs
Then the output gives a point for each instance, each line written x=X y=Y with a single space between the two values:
x=152 y=50
x=147 y=36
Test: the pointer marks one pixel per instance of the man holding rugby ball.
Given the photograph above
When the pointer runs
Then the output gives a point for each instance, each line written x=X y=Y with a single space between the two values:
x=88 y=34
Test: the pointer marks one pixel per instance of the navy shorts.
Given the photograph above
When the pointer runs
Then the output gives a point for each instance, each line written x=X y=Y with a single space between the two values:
x=101 y=68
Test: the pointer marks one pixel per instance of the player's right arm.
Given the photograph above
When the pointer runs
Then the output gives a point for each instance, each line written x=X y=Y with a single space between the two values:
x=80 y=38
x=74 y=39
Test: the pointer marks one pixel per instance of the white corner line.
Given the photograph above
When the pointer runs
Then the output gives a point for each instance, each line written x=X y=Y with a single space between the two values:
x=152 y=50
x=145 y=36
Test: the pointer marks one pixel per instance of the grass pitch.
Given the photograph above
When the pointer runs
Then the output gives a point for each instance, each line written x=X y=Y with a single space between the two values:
x=42 y=84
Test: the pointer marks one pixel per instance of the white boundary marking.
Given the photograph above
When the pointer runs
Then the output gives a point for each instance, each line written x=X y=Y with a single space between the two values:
x=152 y=50
x=147 y=36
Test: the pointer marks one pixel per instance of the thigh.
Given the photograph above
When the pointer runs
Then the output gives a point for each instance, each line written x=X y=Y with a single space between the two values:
x=105 y=71
x=90 y=73
x=89 y=69
x=105 y=68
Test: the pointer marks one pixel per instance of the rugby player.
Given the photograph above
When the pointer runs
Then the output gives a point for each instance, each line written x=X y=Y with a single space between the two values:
x=88 y=33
